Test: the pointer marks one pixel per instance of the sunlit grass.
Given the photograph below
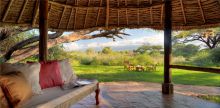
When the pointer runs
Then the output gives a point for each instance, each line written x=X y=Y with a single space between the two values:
x=117 y=73
x=211 y=98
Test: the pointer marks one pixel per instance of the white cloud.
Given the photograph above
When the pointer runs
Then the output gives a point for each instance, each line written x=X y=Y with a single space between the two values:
x=152 y=40
x=72 y=46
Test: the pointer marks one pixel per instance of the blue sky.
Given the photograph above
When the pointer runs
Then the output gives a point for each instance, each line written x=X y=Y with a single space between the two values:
x=137 y=38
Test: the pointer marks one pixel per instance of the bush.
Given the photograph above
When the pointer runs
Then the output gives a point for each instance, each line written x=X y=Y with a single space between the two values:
x=178 y=60
x=142 y=59
x=202 y=59
x=215 y=55
x=86 y=61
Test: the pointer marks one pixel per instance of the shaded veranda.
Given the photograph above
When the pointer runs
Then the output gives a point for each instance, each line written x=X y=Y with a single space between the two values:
x=70 y=15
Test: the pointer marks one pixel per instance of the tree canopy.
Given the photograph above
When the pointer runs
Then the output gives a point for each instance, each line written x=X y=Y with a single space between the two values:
x=210 y=37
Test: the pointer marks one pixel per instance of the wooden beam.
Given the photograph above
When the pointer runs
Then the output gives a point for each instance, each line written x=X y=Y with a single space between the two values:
x=36 y=12
x=118 y=17
x=64 y=9
x=43 y=28
x=167 y=87
x=22 y=11
x=202 y=69
x=7 y=10
x=118 y=11
x=126 y=11
x=87 y=10
x=71 y=14
x=161 y=16
x=104 y=7
x=201 y=10
x=151 y=13
x=118 y=3
x=138 y=14
x=107 y=14
x=76 y=2
x=183 y=11
x=138 y=17
x=97 y=18
x=74 y=26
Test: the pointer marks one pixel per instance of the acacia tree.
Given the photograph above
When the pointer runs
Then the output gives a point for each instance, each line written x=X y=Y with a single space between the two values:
x=210 y=37
x=29 y=46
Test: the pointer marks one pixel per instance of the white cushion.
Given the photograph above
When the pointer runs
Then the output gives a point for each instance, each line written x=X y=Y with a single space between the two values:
x=66 y=71
x=31 y=72
x=55 y=97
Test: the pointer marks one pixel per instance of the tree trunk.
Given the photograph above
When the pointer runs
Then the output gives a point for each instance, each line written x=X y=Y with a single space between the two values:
x=25 y=53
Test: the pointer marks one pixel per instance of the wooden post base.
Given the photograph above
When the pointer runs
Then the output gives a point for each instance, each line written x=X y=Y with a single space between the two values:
x=97 y=91
x=167 y=88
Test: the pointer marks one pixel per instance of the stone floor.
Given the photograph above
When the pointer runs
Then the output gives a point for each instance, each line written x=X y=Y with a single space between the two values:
x=148 y=95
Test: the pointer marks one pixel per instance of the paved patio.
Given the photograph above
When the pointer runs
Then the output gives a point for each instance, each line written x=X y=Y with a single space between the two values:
x=148 y=95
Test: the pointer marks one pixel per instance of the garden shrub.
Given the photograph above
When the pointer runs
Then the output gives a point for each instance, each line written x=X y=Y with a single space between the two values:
x=215 y=55
x=86 y=61
x=202 y=59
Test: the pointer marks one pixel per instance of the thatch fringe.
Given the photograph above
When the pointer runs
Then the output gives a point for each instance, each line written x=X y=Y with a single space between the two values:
x=69 y=15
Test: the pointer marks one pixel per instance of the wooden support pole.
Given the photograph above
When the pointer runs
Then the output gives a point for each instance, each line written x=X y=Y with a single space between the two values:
x=43 y=26
x=167 y=86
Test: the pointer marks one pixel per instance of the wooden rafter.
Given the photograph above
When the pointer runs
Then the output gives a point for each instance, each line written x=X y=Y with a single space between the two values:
x=118 y=17
x=138 y=17
x=118 y=13
x=97 y=18
x=76 y=9
x=161 y=16
x=7 y=10
x=36 y=12
x=87 y=10
x=118 y=3
x=126 y=3
x=76 y=2
x=126 y=12
x=63 y=12
x=201 y=10
x=219 y=2
x=138 y=14
x=107 y=14
x=183 y=11
x=75 y=18
x=120 y=7
x=71 y=14
x=22 y=11
x=151 y=13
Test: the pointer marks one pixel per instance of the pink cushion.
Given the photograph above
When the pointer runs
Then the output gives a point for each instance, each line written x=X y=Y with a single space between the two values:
x=50 y=74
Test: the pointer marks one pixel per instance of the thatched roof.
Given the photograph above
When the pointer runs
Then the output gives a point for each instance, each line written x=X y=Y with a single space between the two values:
x=69 y=15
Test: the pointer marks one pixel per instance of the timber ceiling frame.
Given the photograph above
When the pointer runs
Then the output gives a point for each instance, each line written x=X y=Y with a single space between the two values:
x=70 y=15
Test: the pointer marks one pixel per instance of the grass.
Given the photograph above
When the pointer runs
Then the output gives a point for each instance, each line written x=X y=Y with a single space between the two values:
x=117 y=73
x=211 y=98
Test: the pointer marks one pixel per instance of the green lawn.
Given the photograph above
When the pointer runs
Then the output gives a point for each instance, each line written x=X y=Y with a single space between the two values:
x=117 y=73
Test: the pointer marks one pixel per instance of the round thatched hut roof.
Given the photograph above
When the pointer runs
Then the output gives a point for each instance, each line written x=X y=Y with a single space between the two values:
x=69 y=15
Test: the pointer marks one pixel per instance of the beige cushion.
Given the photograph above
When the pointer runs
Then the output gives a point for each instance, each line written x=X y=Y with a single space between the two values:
x=16 y=88
x=66 y=71
x=30 y=71
x=3 y=100
x=57 y=98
